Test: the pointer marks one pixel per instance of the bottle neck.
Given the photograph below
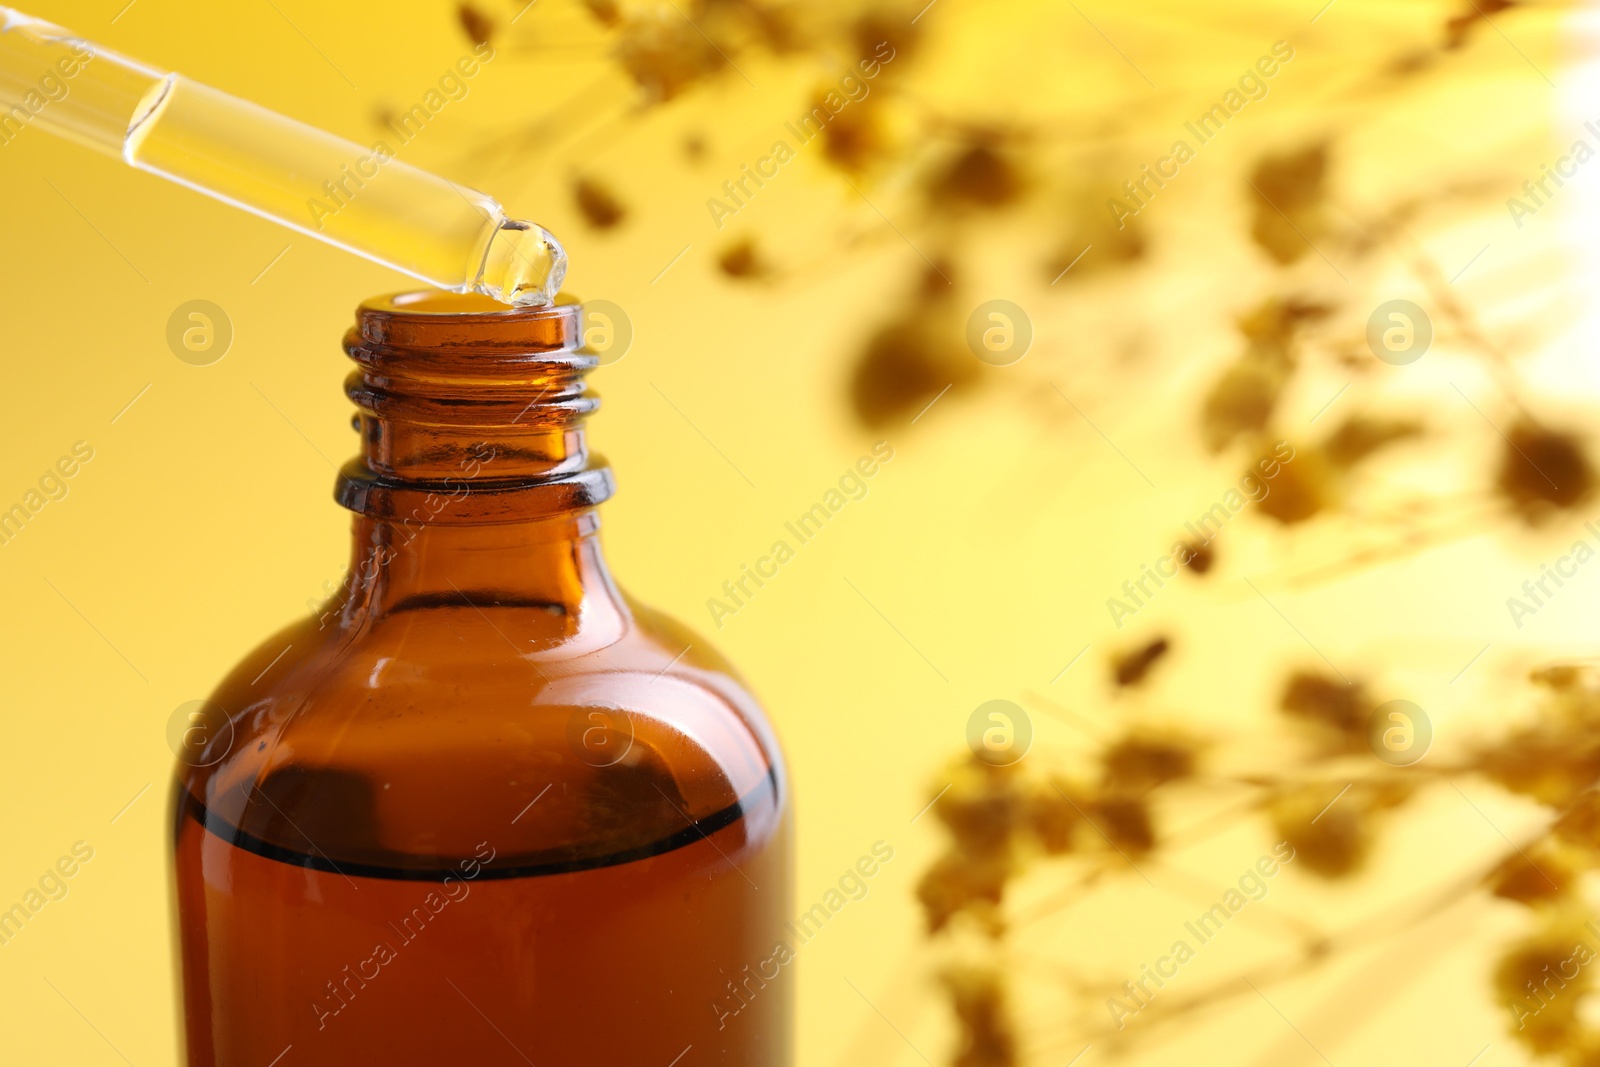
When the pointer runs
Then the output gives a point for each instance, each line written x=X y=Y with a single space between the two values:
x=474 y=486
x=469 y=412
x=553 y=564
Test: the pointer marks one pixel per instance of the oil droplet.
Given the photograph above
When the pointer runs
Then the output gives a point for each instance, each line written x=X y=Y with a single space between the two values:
x=524 y=265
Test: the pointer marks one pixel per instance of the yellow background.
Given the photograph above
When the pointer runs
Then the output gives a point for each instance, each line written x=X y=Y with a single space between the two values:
x=980 y=560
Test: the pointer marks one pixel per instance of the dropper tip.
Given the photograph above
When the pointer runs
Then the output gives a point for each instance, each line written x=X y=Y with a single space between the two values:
x=524 y=265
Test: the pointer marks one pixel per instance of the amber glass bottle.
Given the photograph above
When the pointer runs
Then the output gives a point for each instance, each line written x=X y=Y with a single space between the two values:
x=484 y=809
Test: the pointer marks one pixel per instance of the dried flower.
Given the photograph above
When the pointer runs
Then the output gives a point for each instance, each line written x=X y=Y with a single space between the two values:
x=1303 y=489
x=1541 y=981
x=957 y=885
x=1126 y=823
x=1133 y=667
x=1242 y=401
x=886 y=27
x=981 y=174
x=1097 y=243
x=980 y=807
x=1552 y=762
x=1360 y=436
x=1459 y=27
x=913 y=359
x=1275 y=324
x=1332 y=828
x=665 y=53
x=478 y=26
x=856 y=137
x=1202 y=556
x=1543 y=471
x=1536 y=876
x=1052 y=814
x=1340 y=707
x=987 y=1034
x=1145 y=758
x=597 y=203
x=606 y=11
x=742 y=260
x=1287 y=196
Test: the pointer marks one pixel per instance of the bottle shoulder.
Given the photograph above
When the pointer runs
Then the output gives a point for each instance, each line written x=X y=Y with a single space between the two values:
x=417 y=736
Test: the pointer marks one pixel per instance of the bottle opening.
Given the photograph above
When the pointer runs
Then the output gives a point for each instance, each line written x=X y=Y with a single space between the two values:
x=441 y=302
x=448 y=383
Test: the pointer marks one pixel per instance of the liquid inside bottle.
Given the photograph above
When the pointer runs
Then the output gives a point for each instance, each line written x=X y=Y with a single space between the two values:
x=483 y=808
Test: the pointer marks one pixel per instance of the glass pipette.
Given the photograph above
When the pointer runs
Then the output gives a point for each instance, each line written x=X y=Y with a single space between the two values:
x=360 y=199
